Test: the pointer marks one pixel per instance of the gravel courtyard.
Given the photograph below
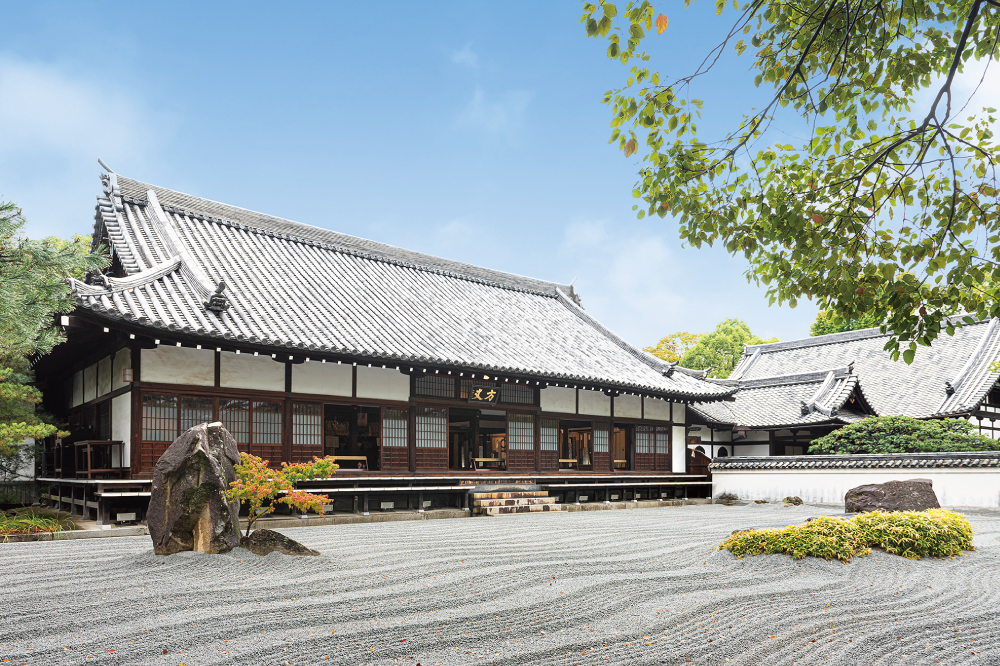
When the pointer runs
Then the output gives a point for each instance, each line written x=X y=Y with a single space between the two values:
x=610 y=587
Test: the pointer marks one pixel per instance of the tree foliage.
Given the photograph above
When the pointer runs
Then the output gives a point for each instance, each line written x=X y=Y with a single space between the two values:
x=828 y=321
x=902 y=434
x=673 y=347
x=262 y=488
x=32 y=291
x=721 y=349
x=888 y=202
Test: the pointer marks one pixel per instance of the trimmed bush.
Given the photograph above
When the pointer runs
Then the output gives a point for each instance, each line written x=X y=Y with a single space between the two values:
x=902 y=434
x=910 y=534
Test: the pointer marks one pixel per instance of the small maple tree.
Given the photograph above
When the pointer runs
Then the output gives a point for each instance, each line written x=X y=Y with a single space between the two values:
x=262 y=488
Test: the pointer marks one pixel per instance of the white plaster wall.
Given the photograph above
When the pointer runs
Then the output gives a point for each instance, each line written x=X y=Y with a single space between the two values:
x=750 y=449
x=558 y=399
x=953 y=487
x=595 y=403
x=121 y=423
x=678 y=438
x=77 y=389
x=628 y=406
x=757 y=436
x=383 y=383
x=179 y=365
x=322 y=378
x=90 y=383
x=123 y=360
x=104 y=376
x=250 y=372
x=658 y=410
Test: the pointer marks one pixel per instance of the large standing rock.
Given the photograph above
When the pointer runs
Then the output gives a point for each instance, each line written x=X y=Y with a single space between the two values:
x=909 y=495
x=187 y=510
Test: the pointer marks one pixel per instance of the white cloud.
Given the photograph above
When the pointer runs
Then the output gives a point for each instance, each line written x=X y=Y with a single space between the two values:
x=629 y=281
x=499 y=118
x=54 y=124
x=465 y=57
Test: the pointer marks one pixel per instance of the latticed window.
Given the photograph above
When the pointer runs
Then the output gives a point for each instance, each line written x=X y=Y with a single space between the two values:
x=394 y=427
x=517 y=394
x=307 y=425
x=662 y=439
x=600 y=438
x=195 y=411
x=643 y=439
x=266 y=423
x=159 y=418
x=521 y=432
x=550 y=435
x=435 y=386
x=432 y=428
x=235 y=417
x=469 y=383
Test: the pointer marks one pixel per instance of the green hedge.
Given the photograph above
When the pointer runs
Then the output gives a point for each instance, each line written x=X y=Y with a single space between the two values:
x=902 y=434
x=911 y=534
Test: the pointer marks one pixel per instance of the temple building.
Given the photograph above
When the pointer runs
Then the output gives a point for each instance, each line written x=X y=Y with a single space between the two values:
x=306 y=342
x=790 y=393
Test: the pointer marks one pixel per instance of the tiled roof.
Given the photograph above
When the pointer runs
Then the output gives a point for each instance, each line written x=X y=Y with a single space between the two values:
x=949 y=378
x=862 y=461
x=791 y=400
x=297 y=287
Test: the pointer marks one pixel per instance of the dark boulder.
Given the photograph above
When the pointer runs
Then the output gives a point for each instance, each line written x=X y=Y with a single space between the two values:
x=262 y=542
x=187 y=510
x=793 y=500
x=909 y=495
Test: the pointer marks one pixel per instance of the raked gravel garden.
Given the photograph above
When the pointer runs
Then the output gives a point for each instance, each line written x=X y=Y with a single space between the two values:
x=609 y=587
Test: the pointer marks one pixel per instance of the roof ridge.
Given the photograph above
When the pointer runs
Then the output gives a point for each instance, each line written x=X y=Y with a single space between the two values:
x=797 y=378
x=336 y=240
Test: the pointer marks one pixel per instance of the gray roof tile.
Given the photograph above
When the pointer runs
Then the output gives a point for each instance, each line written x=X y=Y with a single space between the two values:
x=295 y=286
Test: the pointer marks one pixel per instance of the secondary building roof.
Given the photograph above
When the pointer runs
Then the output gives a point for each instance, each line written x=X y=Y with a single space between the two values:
x=208 y=270
x=788 y=384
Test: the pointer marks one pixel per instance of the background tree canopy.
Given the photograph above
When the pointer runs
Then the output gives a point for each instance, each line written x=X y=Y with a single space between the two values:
x=902 y=434
x=673 y=347
x=721 y=349
x=32 y=275
x=889 y=202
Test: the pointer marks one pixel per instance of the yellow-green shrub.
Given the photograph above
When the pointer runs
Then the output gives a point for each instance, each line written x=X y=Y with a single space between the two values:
x=911 y=534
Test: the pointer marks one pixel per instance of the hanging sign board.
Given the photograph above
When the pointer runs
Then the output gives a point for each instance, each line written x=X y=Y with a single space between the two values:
x=484 y=395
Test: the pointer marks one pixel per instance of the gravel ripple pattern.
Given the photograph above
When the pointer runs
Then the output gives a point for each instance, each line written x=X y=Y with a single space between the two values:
x=608 y=587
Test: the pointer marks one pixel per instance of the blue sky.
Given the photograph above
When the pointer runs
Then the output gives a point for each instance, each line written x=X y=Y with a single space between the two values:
x=467 y=130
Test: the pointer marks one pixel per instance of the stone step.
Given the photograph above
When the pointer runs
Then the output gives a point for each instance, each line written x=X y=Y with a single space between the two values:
x=518 y=501
x=511 y=494
x=522 y=508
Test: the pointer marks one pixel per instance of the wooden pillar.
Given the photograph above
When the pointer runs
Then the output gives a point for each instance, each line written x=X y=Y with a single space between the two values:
x=538 y=442
x=411 y=438
x=611 y=437
x=420 y=501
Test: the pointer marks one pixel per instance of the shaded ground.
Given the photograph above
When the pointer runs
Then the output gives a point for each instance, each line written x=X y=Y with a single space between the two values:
x=611 y=587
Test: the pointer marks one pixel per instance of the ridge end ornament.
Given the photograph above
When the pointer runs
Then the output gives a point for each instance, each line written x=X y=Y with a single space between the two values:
x=218 y=302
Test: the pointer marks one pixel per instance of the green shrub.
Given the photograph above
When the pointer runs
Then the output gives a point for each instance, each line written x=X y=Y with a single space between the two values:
x=33 y=519
x=911 y=534
x=902 y=434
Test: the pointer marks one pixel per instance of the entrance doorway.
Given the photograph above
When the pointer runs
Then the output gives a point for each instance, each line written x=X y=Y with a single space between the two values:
x=621 y=446
x=352 y=434
x=462 y=425
x=576 y=449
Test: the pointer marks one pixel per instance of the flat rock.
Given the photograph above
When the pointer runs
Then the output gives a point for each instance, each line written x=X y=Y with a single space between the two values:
x=908 y=495
x=187 y=510
x=264 y=541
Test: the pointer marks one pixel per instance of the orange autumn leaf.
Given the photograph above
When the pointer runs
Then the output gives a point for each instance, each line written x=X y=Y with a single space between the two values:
x=661 y=23
x=630 y=147
x=817 y=218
